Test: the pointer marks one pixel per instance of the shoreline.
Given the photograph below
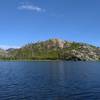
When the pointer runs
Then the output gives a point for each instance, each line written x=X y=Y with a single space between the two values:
x=48 y=60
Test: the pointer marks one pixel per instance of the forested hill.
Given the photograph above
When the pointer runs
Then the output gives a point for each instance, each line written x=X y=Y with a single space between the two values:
x=53 y=49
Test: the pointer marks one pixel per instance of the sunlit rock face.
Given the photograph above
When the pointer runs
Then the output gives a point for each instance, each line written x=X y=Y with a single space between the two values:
x=58 y=42
x=55 y=43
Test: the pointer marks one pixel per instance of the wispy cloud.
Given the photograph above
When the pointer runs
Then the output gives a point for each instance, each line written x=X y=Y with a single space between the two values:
x=31 y=7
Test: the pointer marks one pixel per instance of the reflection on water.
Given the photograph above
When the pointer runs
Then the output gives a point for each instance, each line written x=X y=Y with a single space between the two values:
x=50 y=80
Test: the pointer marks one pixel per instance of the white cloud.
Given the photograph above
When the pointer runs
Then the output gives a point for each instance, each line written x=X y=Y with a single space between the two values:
x=31 y=8
x=7 y=47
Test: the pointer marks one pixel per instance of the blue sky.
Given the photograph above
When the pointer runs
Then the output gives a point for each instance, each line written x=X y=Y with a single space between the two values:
x=25 y=21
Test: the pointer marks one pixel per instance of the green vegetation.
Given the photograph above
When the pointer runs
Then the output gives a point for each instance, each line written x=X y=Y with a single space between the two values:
x=53 y=49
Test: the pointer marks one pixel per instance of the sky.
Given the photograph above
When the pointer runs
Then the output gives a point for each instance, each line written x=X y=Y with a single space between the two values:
x=26 y=21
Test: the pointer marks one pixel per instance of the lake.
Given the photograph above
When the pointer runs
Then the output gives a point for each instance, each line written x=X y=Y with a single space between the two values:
x=49 y=80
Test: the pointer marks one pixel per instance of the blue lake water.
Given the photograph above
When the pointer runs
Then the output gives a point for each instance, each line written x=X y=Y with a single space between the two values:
x=50 y=80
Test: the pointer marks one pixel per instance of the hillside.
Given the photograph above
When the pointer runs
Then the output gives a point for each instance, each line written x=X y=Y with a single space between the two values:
x=3 y=53
x=53 y=49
